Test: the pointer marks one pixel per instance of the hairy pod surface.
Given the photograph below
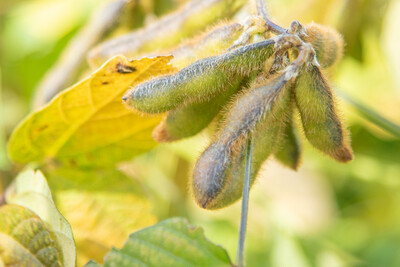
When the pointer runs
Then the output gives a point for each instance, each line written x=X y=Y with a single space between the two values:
x=166 y=32
x=201 y=80
x=188 y=120
x=289 y=150
x=267 y=136
x=322 y=125
x=327 y=42
x=218 y=173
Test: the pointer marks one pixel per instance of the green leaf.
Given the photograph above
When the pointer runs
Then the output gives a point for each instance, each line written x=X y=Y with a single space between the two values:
x=31 y=191
x=25 y=240
x=172 y=242
x=87 y=124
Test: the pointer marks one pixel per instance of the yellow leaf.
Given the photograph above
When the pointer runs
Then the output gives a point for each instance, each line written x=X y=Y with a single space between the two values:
x=87 y=124
x=103 y=207
x=103 y=219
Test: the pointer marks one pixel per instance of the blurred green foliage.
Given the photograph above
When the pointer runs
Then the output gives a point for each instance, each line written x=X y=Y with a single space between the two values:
x=327 y=214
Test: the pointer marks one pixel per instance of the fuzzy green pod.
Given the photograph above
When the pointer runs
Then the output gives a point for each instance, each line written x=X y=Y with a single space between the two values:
x=201 y=80
x=218 y=174
x=188 y=120
x=289 y=151
x=321 y=122
x=327 y=42
x=166 y=32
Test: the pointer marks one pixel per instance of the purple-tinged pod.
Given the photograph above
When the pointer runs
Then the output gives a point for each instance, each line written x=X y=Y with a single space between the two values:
x=218 y=174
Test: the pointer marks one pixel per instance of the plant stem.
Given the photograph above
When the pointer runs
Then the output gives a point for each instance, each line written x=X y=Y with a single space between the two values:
x=371 y=115
x=245 y=202
x=262 y=11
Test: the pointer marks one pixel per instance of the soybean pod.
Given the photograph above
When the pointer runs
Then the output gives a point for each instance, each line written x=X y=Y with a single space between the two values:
x=201 y=80
x=188 y=120
x=218 y=173
x=327 y=42
x=263 y=112
x=321 y=122
x=289 y=150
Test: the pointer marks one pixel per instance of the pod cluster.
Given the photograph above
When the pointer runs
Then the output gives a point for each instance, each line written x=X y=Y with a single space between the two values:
x=257 y=89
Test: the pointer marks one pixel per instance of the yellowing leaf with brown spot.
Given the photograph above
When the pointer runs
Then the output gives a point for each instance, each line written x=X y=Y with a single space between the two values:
x=87 y=124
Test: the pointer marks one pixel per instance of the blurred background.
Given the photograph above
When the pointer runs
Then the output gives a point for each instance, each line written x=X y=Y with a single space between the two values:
x=326 y=214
